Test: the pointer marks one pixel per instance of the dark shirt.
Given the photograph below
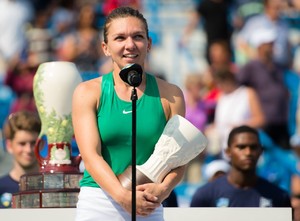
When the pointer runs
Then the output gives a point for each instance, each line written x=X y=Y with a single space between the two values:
x=220 y=193
x=215 y=16
x=8 y=186
x=171 y=201
x=270 y=87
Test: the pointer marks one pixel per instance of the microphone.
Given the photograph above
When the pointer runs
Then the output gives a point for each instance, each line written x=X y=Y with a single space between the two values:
x=132 y=74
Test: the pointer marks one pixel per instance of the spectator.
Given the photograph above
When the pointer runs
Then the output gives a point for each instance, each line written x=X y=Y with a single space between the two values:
x=216 y=22
x=62 y=20
x=216 y=169
x=237 y=105
x=220 y=59
x=269 y=19
x=20 y=80
x=241 y=187
x=39 y=38
x=14 y=16
x=220 y=56
x=109 y=5
x=82 y=46
x=244 y=10
x=276 y=164
x=267 y=79
x=20 y=131
x=196 y=111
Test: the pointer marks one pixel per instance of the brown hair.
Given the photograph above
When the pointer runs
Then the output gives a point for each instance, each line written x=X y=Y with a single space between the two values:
x=21 y=120
x=224 y=74
x=123 y=12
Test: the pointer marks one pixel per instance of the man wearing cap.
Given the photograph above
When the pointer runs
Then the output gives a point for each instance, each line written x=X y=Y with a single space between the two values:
x=267 y=79
x=271 y=19
x=215 y=169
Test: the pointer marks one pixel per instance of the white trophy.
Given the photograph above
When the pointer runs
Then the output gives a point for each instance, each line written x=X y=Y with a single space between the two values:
x=57 y=183
x=179 y=143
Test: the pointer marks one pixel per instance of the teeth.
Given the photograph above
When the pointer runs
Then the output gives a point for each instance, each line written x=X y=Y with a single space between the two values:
x=130 y=55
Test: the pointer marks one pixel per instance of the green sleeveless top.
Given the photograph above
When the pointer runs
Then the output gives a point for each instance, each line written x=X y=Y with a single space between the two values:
x=115 y=125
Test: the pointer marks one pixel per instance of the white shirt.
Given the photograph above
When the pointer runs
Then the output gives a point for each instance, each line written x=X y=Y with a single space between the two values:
x=232 y=110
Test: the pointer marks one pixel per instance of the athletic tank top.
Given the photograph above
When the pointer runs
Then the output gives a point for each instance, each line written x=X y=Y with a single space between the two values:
x=232 y=109
x=114 y=118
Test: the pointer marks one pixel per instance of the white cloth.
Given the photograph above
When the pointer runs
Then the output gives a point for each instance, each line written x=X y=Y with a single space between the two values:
x=95 y=205
x=232 y=110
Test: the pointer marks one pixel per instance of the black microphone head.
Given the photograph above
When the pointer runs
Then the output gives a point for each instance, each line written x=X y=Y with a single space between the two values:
x=132 y=74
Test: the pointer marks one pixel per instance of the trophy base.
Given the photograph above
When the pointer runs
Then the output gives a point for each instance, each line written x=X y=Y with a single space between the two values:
x=48 y=190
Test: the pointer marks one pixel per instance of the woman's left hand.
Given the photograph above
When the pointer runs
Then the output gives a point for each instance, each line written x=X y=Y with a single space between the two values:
x=156 y=189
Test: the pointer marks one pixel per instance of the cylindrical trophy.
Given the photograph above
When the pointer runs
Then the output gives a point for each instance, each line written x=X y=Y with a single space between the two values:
x=179 y=143
x=57 y=184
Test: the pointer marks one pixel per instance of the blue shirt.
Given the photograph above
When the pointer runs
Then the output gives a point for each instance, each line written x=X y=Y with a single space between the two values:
x=8 y=186
x=220 y=193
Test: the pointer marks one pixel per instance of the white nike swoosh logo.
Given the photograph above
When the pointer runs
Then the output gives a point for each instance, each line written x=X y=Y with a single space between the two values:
x=126 y=112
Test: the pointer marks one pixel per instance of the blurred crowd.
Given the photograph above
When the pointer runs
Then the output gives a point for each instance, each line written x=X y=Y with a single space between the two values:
x=251 y=75
x=252 y=78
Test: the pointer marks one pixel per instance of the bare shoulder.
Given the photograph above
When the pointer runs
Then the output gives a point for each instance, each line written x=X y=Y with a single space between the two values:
x=167 y=89
x=88 y=91
x=251 y=92
x=171 y=97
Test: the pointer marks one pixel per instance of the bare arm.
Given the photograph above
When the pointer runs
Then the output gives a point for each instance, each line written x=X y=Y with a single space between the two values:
x=176 y=103
x=172 y=99
x=85 y=102
x=173 y=104
x=257 y=119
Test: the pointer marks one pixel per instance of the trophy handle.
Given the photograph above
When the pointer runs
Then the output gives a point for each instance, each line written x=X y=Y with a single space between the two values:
x=37 y=146
x=125 y=178
x=76 y=160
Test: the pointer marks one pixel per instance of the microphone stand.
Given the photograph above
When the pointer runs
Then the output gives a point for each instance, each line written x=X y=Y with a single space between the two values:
x=134 y=99
x=132 y=75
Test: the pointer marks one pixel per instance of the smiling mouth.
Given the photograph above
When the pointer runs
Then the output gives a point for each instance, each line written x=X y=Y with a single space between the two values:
x=130 y=56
